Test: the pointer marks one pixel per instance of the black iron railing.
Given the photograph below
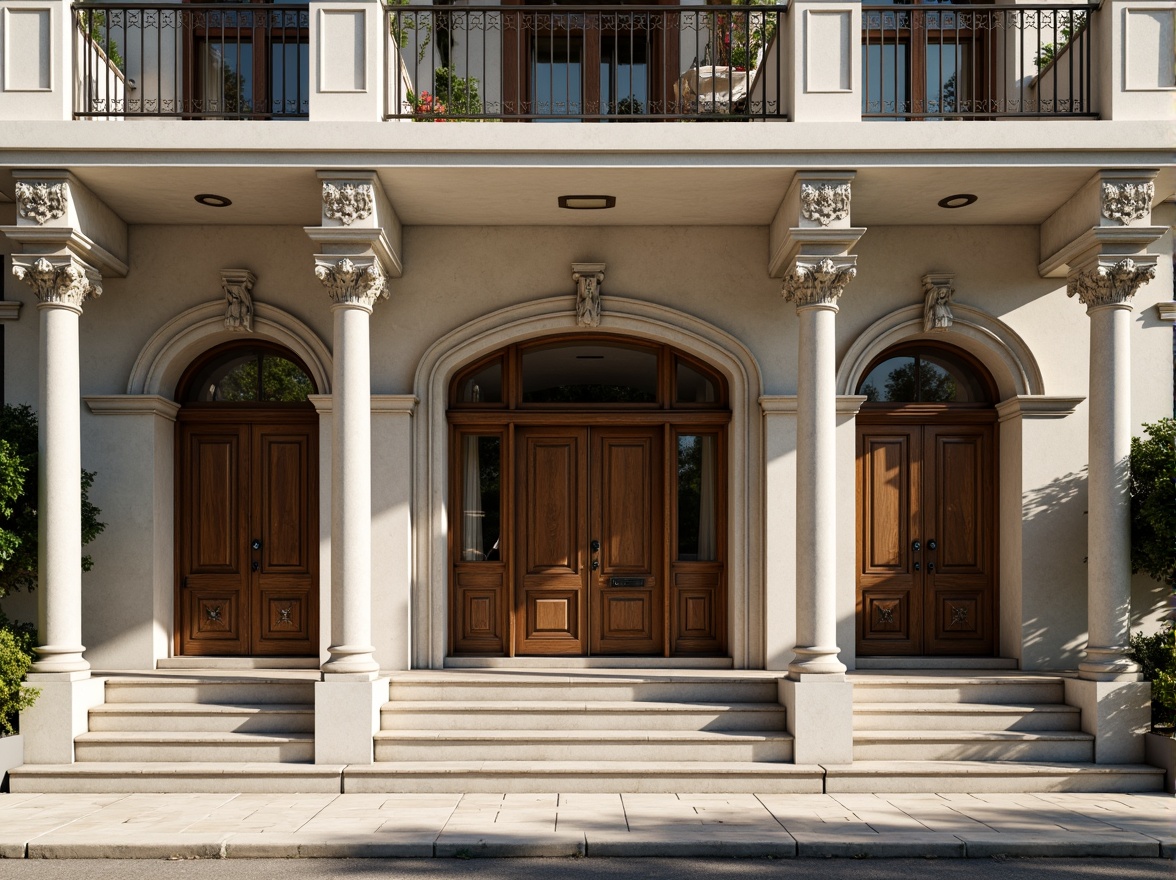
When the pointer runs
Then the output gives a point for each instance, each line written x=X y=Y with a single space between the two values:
x=191 y=60
x=584 y=63
x=976 y=62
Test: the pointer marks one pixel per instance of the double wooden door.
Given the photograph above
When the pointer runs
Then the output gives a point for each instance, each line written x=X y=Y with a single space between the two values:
x=926 y=573
x=591 y=540
x=247 y=529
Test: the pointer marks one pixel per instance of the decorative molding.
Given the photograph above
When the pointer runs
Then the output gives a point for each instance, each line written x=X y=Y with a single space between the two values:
x=1036 y=406
x=937 y=292
x=132 y=405
x=1166 y=311
x=1109 y=283
x=57 y=280
x=351 y=283
x=348 y=202
x=818 y=283
x=1127 y=202
x=588 y=278
x=10 y=310
x=238 y=287
x=824 y=202
x=41 y=202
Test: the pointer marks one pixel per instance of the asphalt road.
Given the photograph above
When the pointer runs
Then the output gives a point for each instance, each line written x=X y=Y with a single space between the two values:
x=593 y=869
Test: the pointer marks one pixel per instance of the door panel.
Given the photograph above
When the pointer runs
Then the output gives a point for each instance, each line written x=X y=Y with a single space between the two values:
x=935 y=485
x=242 y=483
x=627 y=513
x=552 y=539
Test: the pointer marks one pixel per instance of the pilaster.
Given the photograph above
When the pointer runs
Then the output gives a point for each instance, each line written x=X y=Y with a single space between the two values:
x=348 y=44
x=823 y=41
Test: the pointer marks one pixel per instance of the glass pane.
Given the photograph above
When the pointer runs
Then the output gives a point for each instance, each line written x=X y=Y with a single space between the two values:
x=885 y=75
x=947 y=81
x=483 y=386
x=697 y=532
x=289 y=78
x=590 y=373
x=692 y=386
x=624 y=74
x=283 y=381
x=943 y=379
x=229 y=381
x=555 y=76
x=481 y=466
x=228 y=76
x=893 y=380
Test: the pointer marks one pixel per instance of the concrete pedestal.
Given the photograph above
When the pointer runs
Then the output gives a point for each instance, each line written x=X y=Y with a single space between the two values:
x=1116 y=713
x=60 y=713
x=346 y=717
x=820 y=718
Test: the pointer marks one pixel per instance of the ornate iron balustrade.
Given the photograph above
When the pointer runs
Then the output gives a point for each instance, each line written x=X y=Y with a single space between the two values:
x=584 y=63
x=976 y=62
x=191 y=60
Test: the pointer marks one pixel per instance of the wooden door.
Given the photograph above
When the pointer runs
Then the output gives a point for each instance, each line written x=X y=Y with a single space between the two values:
x=247 y=538
x=628 y=542
x=926 y=581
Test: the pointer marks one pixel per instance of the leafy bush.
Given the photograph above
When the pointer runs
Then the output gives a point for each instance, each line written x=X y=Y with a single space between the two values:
x=1156 y=656
x=1153 y=502
x=18 y=502
x=16 y=650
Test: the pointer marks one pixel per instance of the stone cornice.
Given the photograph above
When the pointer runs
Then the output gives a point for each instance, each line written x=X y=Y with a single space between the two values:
x=1166 y=311
x=351 y=240
x=10 y=310
x=132 y=405
x=59 y=239
x=1120 y=239
x=1037 y=406
x=385 y=404
x=787 y=404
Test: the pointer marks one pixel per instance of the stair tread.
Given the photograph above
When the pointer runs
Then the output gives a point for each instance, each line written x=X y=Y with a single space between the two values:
x=973 y=735
x=651 y=768
x=548 y=706
x=171 y=737
x=515 y=736
x=179 y=768
x=866 y=678
x=964 y=708
x=991 y=768
x=202 y=708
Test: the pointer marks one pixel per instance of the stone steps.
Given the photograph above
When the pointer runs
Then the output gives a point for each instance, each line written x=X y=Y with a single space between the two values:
x=180 y=776
x=973 y=745
x=964 y=716
x=258 y=718
x=219 y=689
x=153 y=746
x=677 y=746
x=460 y=686
x=989 y=776
x=596 y=715
x=986 y=688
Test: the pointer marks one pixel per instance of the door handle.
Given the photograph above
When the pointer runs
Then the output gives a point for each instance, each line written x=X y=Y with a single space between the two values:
x=256 y=545
x=931 y=545
x=595 y=564
x=916 y=546
x=595 y=545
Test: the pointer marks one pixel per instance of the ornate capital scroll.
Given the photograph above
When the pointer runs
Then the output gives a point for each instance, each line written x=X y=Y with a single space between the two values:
x=238 y=287
x=825 y=202
x=350 y=284
x=588 y=278
x=58 y=280
x=818 y=282
x=347 y=203
x=937 y=293
x=1127 y=202
x=41 y=202
x=1109 y=283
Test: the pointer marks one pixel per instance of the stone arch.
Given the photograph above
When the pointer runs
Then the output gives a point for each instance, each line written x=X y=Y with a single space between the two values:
x=622 y=317
x=995 y=344
x=189 y=334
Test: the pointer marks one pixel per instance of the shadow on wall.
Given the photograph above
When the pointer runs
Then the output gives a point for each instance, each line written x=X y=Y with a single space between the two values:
x=1053 y=579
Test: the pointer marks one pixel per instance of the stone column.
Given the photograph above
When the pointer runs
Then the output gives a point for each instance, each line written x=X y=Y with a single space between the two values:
x=1106 y=290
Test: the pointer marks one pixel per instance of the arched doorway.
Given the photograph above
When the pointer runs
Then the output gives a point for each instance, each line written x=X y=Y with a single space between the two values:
x=926 y=504
x=246 y=505
x=587 y=484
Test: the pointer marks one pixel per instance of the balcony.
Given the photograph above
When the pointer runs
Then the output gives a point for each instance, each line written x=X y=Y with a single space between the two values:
x=828 y=61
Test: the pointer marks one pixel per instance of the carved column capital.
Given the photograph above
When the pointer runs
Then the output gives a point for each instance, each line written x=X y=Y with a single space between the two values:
x=41 y=202
x=824 y=202
x=1109 y=283
x=348 y=202
x=57 y=280
x=1127 y=202
x=818 y=282
x=588 y=278
x=356 y=282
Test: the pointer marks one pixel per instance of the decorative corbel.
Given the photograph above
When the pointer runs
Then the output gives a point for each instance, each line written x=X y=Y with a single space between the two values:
x=937 y=294
x=588 y=278
x=238 y=287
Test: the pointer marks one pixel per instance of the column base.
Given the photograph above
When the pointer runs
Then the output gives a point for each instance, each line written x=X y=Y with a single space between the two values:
x=61 y=712
x=55 y=659
x=352 y=660
x=819 y=715
x=346 y=718
x=1116 y=713
x=816 y=662
x=1108 y=664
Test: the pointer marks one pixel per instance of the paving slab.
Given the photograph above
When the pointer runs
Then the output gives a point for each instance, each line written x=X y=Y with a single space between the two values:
x=1122 y=844
x=905 y=844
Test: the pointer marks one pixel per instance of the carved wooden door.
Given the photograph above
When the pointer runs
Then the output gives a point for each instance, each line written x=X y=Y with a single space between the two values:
x=247 y=529
x=925 y=540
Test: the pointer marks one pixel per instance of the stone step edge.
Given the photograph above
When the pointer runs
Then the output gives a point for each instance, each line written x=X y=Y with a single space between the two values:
x=579 y=706
x=188 y=769
x=961 y=708
x=179 y=737
x=888 y=679
x=203 y=709
x=955 y=736
x=588 y=768
x=586 y=736
x=215 y=678
x=985 y=768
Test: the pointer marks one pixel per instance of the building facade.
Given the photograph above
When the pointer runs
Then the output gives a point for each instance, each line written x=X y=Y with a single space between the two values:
x=792 y=391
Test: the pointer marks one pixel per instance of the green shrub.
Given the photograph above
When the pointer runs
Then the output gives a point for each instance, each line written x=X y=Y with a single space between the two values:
x=1156 y=656
x=1153 y=502
x=16 y=649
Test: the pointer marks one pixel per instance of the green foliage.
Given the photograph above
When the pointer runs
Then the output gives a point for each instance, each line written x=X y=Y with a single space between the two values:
x=16 y=655
x=459 y=94
x=1075 y=22
x=1156 y=656
x=95 y=22
x=18 y=513
x=744 y=35
x=1153 y=502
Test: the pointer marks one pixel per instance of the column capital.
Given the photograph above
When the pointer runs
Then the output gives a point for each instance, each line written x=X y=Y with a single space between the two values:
x=357 y=281
x=818 y=282
x=812 y=222
x=1109 y=281
x=58 y=280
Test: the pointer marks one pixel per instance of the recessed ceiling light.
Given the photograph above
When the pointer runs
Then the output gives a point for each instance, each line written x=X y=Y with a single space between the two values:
x=959 y=200
x=213 y=200
x=587 y=203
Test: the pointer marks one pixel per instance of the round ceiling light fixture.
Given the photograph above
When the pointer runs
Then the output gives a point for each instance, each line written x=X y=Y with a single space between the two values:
x=587 y=203
x=959 y=200
x=212 y=200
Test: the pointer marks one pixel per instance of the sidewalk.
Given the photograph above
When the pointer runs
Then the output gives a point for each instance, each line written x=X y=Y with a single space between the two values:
x=593 y=825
